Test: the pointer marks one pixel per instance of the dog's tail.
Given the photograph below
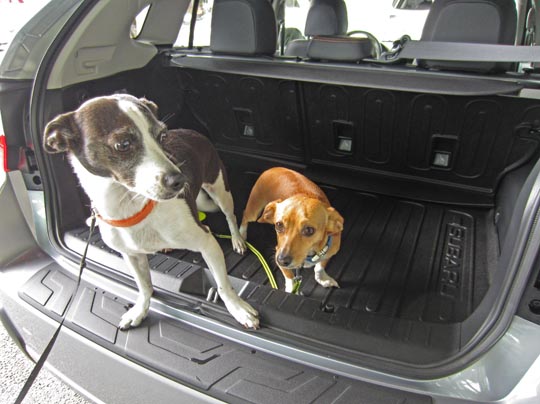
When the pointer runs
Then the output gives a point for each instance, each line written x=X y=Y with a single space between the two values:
x=205 y=203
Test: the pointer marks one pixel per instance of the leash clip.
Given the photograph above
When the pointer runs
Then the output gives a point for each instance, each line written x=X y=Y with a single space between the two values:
x=92 y=220
x=297 y=282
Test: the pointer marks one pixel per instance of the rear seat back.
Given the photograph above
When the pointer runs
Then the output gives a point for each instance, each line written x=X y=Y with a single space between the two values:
x=326 y=25
x=233 y=109
x=325 y=17
x=254 y=31
x=384 y=135
x=470 y=21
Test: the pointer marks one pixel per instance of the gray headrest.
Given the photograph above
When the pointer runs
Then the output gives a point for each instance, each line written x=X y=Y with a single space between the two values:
x=243 y=27
x=470 y=21
x=326 y=17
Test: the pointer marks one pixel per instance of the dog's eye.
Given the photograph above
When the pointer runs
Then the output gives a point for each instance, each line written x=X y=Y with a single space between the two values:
x=123 y=146
x=279 y=227
x=308 y=231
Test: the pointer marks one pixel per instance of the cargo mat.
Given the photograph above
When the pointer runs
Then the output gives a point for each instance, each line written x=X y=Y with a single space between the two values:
x=398 y=258
x=408 y=271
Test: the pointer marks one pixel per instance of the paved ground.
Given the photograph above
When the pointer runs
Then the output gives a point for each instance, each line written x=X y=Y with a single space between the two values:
x=15 y=368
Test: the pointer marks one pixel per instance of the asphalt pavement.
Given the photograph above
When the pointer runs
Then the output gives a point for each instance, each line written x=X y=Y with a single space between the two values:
x=15 y=368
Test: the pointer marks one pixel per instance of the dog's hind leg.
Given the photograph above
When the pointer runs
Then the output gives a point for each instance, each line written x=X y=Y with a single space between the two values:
x=138 y=265
x=254 y=207
x=204 y=203
x=223 y=198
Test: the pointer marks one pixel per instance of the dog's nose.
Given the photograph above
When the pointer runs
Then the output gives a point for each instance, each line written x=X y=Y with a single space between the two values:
x=284 y=260
x=173 y=181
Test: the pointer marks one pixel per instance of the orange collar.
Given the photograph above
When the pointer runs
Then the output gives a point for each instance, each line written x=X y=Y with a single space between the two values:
x=133 y=220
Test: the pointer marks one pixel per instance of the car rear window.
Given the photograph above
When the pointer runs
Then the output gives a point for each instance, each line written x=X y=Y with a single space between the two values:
x=387 y=20
x=201 y=35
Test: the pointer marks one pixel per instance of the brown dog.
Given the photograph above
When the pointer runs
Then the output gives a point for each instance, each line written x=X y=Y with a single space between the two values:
x=308 y=229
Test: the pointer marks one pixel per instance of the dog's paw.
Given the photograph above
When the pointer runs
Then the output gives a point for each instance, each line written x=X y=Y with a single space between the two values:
x=289 y=285
x=326 y=281
x=133 y=317
x=243 y=313
x=239 y=245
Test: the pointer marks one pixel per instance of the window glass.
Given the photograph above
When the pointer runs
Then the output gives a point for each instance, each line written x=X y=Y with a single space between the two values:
x=201 y=35
x=138 y=22
x=378 y=17
x=385 y=22
x=295 y=19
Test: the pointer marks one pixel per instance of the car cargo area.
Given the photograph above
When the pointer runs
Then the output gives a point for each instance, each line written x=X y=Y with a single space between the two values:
x=409 y=273
x=420 y=121
x=427 y=188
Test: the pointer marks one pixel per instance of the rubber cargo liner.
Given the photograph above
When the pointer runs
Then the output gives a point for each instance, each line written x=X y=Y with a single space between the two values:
x=398 y=258
x=409 y=274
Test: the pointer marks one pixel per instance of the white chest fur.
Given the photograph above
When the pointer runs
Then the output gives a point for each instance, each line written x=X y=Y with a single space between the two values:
x=169 y=225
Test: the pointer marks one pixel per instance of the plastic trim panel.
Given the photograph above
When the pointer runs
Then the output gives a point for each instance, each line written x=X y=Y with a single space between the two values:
x=206 y=362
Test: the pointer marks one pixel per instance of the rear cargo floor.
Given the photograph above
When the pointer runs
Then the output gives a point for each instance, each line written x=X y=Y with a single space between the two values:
x=399 y=259
x=409 y=273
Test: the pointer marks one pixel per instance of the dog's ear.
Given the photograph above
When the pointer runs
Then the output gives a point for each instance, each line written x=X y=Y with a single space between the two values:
x=150 y=105
x=334 y=225
x=60 y=133
x=269 y=212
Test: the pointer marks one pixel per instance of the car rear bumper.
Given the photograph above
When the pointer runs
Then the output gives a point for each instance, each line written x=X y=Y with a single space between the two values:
x=91 y=369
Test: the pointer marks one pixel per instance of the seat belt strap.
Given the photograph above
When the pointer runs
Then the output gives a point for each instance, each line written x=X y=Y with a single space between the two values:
x=468 y=52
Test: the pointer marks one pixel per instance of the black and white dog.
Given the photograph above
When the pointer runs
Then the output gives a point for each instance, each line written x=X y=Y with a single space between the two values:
x=145 y=183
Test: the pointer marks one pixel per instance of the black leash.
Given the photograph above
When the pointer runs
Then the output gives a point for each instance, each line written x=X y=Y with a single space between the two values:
x=41 y=361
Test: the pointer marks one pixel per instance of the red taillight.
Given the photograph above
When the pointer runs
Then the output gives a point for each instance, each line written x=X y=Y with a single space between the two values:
x=3 y=153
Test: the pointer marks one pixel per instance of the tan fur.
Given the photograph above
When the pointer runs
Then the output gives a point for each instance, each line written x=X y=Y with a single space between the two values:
x=293 y=203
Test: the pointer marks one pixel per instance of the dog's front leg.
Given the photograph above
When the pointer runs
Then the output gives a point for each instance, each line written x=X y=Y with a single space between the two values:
x=138 y=265
x=289 y=279
x=239 y=309
x=322 y=277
